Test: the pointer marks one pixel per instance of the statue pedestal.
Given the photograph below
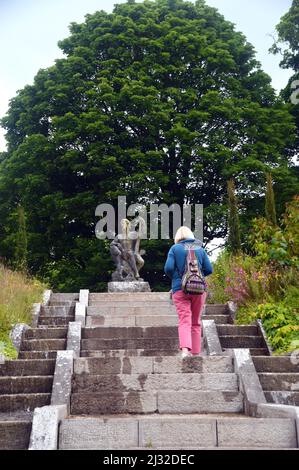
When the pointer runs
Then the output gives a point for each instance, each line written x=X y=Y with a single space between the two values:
x=128 y=286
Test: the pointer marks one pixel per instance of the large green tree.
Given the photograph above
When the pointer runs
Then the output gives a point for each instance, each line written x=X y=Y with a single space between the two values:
x=287 y=44
x=161 y=101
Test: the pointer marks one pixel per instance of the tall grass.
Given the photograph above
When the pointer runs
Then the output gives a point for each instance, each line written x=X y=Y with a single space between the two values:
x=17 y=294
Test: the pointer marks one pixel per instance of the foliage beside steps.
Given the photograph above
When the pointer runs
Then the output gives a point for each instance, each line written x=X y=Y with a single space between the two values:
x=17 y=294
x=265 y=282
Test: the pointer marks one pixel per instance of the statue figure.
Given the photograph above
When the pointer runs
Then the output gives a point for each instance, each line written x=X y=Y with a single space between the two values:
x=125 y=252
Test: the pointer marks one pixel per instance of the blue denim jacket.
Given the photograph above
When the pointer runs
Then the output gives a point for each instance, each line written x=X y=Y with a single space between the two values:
x=176 y=262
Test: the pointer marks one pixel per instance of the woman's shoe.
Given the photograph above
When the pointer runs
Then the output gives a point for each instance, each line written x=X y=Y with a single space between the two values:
x=185 y=354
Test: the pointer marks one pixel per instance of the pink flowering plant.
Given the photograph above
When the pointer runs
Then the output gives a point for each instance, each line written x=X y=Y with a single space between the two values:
x=265 y=282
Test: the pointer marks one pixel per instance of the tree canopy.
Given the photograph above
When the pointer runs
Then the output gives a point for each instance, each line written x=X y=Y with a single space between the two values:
x=162 y=101
x=287 y=45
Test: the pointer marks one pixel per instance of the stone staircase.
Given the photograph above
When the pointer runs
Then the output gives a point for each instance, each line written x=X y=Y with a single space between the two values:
x=142 y=309
x=59 y=311
x=242 y=336
x=130 y=387
x=279 y=378
x=26 y=383
x=132 y=390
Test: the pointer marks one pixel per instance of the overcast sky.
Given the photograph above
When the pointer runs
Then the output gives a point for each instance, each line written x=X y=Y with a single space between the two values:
x=30 y=30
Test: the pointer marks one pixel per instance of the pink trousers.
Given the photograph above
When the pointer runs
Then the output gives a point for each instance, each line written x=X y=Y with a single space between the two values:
x=189 y=308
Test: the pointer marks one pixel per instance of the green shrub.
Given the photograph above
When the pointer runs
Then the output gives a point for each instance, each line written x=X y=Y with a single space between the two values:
x=265 y=285
x=280 y=322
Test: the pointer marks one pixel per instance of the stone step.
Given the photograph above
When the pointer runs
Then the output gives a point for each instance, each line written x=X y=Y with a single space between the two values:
x=26 y=384
x=166 y=401
x=57 y=311
x=130 y=332
x=182 y=432
x=241 y=341
x=15 y=435
x=141 y=320
x=64 y=297
x=127 y=296
x=37 y=355
x=43 y=345
x=283 y=397
x=85 y=383
x=253 y=351
x=23 y=401
x=145 y=310
x=131 y=303
x=283 y=381
x=93 y=344
x=130 y=352
x=258 y=351
x=55 y=321
x=218 y=319
x=21 y=367
x=275 y=364
x=119 y=308
x=148 y=365
x=237 y=330
x=216 y=309
x=145 y=320
x=46 y=333
x=94 y=311
x=58 y=303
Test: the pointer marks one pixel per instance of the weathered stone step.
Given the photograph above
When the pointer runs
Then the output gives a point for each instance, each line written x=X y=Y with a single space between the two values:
x=37 y=355
x=275 y=364
x=58 y=303
x=284 y=381
x=148 y=365
x=189 y=431
x=43 y=345
x=145 y=320
x=86 y=383
x=216 y=309
x=218 y=319
x=130 y=332
x=129 y=310
x=237 y=330
x=26 y=384
x=127 y=296
x=130 y=352
x=150 y=309
x=188 y=401
x=241 y=341
x=55 y=321
x=131 y=303
x=140 y=320
x=25 y=402
x=253 y=351
x=64 y=297
x=283 y=397
x=57 y=311
x=139 y=307
x=46 y=333
x=15 y=435
x=20 y=367
x=258 y=351
x=124 y=343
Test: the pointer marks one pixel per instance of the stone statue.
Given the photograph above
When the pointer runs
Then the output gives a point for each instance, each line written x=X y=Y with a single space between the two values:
x=125 y=252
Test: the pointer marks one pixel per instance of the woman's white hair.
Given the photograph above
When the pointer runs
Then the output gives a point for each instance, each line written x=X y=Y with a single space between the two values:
x=182 y=234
